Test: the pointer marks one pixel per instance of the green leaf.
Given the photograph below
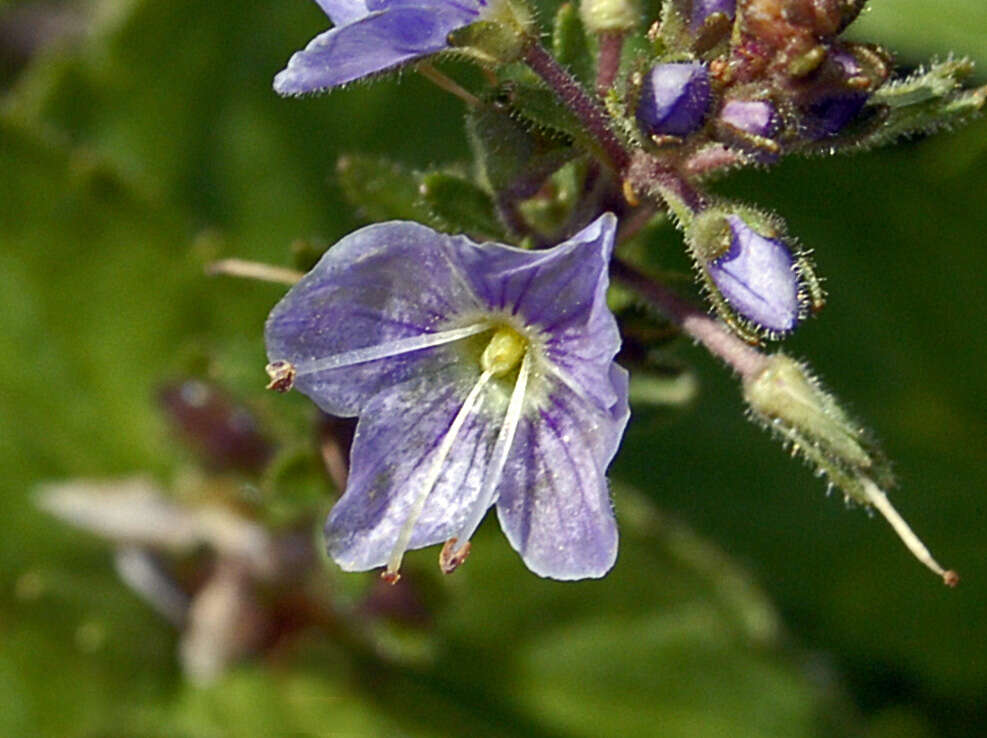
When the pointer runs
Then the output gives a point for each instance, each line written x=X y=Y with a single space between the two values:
x=461 y=206
x=571 y=46
x=381 y=189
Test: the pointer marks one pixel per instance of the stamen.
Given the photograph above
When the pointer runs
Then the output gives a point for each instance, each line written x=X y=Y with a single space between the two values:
x=434 y=472
x=498 y=459
x=880 y=500
x=253 y=270
x=391 y=348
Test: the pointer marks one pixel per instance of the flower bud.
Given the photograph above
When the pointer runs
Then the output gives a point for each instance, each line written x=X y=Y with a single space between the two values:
x=606 y=16
x=674 y=99
x=835 y=108
x=755 y=117
x=759 y=285
x=703 y=9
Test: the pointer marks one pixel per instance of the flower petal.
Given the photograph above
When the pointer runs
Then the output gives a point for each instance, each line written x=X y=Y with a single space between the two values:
x=554 y=505
x=396 y=441
x=563 y=292
x=371 y=44
x=343 y=12
x=380 y=284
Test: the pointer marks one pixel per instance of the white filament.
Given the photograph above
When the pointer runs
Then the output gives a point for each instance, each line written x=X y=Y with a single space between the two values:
x=502 y=448
x=434 y=472
x=391 y=348
x=880 y=500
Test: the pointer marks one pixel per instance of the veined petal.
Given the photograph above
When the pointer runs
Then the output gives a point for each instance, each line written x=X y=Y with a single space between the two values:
x=562 y=292
x=343 y=12
x=554 y=504
x=368 y=45
x=371 y=44
x=381 y=284
x=396 y=443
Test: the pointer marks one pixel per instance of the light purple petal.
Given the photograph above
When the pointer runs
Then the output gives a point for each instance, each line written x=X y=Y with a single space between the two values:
x=371 y=44
x=382 y=283
x=343 y=12
x=554 y=504
x=562 y=292
x=396 y=440
x=757 y=278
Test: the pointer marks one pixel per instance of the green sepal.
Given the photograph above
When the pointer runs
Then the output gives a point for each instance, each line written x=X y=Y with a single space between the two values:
x=381 y=189
x=571 y=46
x=925 y=102
x=488 y=42
x=786 y=399
x=461 y=205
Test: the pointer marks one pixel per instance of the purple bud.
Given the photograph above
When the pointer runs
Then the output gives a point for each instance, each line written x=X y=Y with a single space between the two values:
x=757 y=278
x=674 y=99
x=757 y=117
x=703 y=9
x=829 y=114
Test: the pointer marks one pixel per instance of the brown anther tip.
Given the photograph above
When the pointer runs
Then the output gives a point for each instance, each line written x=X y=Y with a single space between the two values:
x=950 y=578
x=630 y=195
x=391 y=577
x=451 y=558
x=282 y=374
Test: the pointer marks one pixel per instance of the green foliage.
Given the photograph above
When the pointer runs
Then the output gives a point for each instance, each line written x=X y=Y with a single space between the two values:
x=570 y=44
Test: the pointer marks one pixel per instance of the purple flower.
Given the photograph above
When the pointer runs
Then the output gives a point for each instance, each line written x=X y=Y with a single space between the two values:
x=674 y=99
x=482 y=374
x=758 y=278
x=371 y=36
x=702 y=9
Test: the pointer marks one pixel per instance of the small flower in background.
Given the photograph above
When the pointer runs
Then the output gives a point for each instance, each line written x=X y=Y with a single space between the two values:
x=372 y=36
x=482 y=374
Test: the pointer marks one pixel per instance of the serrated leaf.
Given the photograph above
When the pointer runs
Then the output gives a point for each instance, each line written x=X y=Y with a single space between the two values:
x=925 y=102
x=461 y=206
x=571 y=46
x=515 y=158
x=381 y=189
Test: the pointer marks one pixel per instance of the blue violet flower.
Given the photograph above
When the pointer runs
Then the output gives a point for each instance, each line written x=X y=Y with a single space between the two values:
x=674 y=99
x=482 y=374
x=372 y=36
x=758 y=278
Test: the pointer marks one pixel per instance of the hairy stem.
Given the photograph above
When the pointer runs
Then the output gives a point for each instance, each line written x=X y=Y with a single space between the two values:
x=608 y=61
x=574 y=97
x=747 y=361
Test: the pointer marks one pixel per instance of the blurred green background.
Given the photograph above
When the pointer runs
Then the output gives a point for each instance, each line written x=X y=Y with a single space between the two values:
x=140 y=139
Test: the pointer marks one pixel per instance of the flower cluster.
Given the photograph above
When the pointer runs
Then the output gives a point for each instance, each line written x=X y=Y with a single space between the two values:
x=483 y=374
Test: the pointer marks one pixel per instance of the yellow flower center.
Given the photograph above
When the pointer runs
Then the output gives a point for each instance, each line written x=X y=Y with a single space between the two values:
x=504 y=351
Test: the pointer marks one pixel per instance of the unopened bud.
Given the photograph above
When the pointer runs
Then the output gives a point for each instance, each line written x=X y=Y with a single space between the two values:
x=704 y=9
x=674 y=99
x=607 y=16
x=759 y=283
